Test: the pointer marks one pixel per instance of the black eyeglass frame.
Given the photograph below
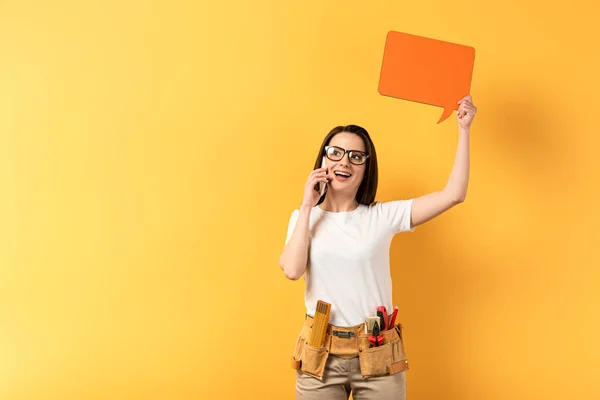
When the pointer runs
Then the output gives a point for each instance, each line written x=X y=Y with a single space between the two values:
x=344 y=151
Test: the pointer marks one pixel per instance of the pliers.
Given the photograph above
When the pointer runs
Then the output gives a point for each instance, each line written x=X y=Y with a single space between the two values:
x=376 y=339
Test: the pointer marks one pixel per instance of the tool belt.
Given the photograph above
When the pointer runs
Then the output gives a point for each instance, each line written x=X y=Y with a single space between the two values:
x=350 y=342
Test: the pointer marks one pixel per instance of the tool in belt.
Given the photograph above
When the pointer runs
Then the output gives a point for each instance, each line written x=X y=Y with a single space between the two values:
x=377 y=343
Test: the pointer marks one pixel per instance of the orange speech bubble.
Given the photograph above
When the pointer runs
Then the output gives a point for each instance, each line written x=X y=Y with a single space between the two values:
x=426 y=70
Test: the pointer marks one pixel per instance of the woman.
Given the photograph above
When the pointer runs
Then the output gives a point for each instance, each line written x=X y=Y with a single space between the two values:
x=341 y=240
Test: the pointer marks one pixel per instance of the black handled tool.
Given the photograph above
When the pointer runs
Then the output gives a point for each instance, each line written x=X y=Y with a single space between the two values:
x=376 y=339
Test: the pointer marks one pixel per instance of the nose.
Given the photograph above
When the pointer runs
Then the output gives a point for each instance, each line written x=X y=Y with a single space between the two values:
x=345 y=161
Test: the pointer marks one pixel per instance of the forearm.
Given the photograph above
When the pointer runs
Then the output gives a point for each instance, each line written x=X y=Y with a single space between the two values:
x=294 y=257
x=456 y=188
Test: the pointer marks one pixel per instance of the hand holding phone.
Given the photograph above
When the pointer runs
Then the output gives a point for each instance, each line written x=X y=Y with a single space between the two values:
x=315 y=185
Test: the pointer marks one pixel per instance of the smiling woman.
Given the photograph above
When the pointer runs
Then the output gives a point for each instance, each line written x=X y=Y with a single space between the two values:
x=339 y=240
x=351 y=171
x=346 y=150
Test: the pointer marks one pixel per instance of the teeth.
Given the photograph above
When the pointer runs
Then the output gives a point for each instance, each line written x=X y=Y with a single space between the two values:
x=342 y=174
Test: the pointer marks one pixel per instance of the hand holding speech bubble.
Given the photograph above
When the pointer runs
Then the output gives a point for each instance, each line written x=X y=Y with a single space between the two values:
x=426 y=70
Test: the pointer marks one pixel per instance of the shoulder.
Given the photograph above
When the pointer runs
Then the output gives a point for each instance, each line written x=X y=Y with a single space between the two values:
x=395 y=214
x=294 y=214
x=389 y=206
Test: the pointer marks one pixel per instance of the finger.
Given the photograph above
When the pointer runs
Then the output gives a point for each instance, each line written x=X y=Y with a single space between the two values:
x=465 y=98
x=319 y=178
x=317 y=172
x=320 y=181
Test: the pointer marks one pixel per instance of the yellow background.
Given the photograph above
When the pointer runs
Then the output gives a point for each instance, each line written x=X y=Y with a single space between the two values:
x=151 y=154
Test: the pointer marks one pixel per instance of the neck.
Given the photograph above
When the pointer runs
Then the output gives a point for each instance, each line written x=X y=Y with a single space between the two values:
x=337 y=204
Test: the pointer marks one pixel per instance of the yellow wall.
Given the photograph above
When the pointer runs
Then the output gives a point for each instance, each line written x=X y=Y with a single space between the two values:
x=151 y=154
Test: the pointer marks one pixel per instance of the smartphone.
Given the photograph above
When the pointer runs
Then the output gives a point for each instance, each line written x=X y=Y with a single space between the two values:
x=323 y=184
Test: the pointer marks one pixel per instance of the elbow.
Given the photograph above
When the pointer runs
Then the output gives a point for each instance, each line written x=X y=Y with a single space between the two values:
x=288 y=272
x=457 y=198
x=454 y=197
x=290 y=275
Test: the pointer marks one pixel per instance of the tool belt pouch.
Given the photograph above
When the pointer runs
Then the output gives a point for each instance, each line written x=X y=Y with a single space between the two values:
x=387 y=359
x=308 y=359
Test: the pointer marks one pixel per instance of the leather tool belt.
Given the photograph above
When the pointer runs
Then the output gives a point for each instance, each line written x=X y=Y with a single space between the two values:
x=349 y=342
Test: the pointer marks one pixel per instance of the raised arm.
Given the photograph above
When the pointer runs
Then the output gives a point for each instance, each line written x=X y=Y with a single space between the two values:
x=431 y=205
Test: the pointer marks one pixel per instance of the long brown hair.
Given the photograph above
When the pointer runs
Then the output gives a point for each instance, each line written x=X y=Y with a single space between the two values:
x=368 y=187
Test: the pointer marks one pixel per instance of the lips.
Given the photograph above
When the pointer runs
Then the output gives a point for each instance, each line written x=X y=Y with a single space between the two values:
x=342 y=175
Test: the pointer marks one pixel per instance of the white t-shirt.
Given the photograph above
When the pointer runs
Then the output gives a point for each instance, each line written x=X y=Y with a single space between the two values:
x=349 y=258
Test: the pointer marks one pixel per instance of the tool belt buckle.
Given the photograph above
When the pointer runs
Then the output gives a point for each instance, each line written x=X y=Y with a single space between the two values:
x=343 y=334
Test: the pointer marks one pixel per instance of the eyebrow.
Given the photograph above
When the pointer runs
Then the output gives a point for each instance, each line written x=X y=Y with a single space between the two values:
x=362 y=151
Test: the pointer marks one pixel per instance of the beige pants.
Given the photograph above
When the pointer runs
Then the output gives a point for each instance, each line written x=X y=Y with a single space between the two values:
x=342 y=376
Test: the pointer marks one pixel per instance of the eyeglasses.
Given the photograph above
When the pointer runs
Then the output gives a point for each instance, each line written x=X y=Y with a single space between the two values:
x=335 y=153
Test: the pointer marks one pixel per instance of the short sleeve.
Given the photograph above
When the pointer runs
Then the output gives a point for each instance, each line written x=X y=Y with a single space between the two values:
x=397 y=215
x=292 y=225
